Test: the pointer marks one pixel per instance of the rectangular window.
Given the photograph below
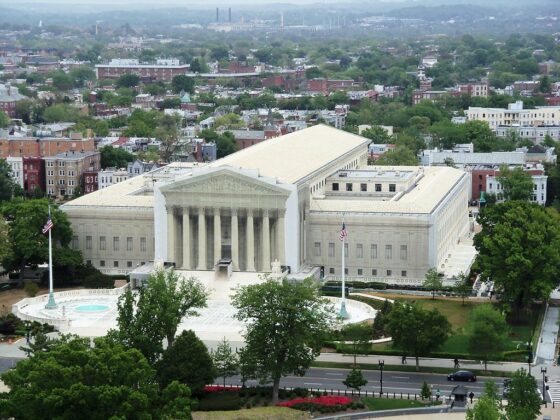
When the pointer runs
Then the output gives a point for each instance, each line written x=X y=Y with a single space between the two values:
x=403 y=273
x=363 y=187
x=378 y=188
x=360 y=272
x=346 y=250
x=129 y=243
x=346 y=271
x=359 y=251
x=115 y=243
x=317 y=249
x=392 y=187
x=331 y=249
x=331 y=270
x=388 y=252
x=373 y=251
x=142 y=244
x=102 y=263
x=374 y=272
x=389 y=273
x=102 y=244
x=335 y=186
x=75 y=242
x=404 y=252
x=348 y=186
x=129 y=264
x=115 y=264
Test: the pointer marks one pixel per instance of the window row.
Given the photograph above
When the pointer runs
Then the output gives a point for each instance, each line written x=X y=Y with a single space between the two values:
x=116 y=263
x=363 y=187
x=116 y=243
x=359 y=251
x=360 y=272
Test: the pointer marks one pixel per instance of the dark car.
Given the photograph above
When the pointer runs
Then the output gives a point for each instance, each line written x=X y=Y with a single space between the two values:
x=462 y=375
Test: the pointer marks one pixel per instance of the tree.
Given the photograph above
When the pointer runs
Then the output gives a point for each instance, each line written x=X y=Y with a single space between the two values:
x=433 y=281
x=524 y=400
x=518 y=248
x=4 y=120
x=74 y=380
x=359 y=336
x=60 y=113
x=79 y=75
x=28 y=245
x=115 y=157
x=463 y=287
x=225 y=143
x=286 y=324
x=62 y=81
x=7 y=184
x=376 y=134
x=425 y=391
x=154 y=313
x=167 y=132
x=225 y=360
x=128 y=81
x=488 y=332
x=182 y=83
x=488 y=405
x=355 y=379
x=186 y=361
x=400 y=156
x=516 y=183
x=416 y=330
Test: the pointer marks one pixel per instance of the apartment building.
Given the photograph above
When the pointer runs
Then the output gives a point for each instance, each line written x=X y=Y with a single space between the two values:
x=64 y=171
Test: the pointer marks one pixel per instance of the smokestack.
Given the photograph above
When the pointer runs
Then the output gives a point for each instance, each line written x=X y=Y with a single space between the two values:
x=217 y=14
x=282 y=20
x=229 y=15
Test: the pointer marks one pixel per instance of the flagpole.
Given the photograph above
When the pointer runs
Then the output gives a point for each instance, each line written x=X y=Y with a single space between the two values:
x=343 y=312
x=51 y=304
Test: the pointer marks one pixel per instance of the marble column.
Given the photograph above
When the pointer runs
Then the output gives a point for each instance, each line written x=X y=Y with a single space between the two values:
x=171 y=228
x=201 y=239
x=186 y=239
x=250 y=241
x=234 y=240
x=266 y=241
x=217 y=235
x=280 y=244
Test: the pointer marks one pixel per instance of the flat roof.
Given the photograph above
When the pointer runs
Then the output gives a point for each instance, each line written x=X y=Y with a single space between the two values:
x=293 y=157
x=436 y=183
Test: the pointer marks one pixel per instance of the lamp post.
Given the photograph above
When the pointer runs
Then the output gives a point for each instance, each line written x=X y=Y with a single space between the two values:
x=381 y=364
x=529 y=355
x=543 y=371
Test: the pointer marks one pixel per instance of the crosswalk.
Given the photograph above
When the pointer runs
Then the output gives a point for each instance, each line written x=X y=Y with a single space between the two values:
x=554 y=389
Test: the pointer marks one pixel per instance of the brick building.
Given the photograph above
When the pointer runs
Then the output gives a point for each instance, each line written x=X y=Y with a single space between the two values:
x=32 y=146
x=64 y=171
x=163 y=70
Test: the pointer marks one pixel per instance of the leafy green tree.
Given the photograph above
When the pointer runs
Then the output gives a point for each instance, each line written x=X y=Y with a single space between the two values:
x=355 y=379
x=4 y=120
x=516 y=183
x=225 y=143
x=488 y=332
x=128 y=81
x=28 y=245
x=167 y=132
x=400 y=156
x=286 y=324
x=463 y=287
x=74 y=380
x=225 y=360
x=80 y=75
x=154 y=313
x=433 y=281
x=484 y=409
x=62 y=81
x=60 y=113
x=425 y=391
x=182 y=83
x=518 y=248
x=358 y=335
x=186 y=361
x=524 y=400
x=377 y=134
x=8 y=187
x=219 y=52
x=114 y=157
x=416 y=330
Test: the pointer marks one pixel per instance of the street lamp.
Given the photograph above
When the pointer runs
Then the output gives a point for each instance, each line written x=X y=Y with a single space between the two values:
x=530 y=355
x=544 y=379
x=381 y=364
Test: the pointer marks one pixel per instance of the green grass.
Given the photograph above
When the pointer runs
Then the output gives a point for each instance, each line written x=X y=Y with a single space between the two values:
x=408 y=368
x=375 y=404
x=269 y=413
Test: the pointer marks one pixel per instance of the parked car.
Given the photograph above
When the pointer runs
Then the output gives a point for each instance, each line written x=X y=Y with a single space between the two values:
x=462 y=375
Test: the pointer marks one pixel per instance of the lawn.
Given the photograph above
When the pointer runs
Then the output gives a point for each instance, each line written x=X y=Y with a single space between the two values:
x=268 y=413
x=375 y=404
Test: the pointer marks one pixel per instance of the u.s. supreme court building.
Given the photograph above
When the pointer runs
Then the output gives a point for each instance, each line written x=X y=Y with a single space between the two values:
x=283 y=200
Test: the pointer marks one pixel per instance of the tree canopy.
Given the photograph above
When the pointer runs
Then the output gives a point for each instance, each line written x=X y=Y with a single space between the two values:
x=400 y=156
x=115 y=157
x=8 y=187
x=182 y=83
x=516 y=184
x=524 y=400
x=433 y=281
x=488 y=332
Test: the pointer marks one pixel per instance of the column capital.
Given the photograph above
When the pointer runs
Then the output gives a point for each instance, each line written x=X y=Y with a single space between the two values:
x=265 y=212
x=249 y=212
x=234 y=211
x=186 y=211
x=217 y=211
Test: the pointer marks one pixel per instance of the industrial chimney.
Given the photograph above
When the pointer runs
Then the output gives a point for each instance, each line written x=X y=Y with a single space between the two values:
x=217 y=15
x=229 y=15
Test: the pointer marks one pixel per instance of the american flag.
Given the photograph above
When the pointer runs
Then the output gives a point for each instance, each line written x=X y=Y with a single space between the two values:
x=343 y=232
x=48 y=226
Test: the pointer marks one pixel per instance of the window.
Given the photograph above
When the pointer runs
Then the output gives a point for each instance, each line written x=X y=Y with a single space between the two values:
x=88 y=262
x=102 y=244
x=331 y=249
x=346 y=250
x=115 y=243
x=378 y=188
x=348 y=186
x=403 y=273
x=359 y=251
x=61 y=172
x=75 y=242
x=115 y=264
x=392 y=187
x=404 y=252
x=373 y=251
x=346 y=271
x=490 y=186
x=389 y=273
x=363 y=187
x=360 y=272
x=335 y=186
x=102 y=263
x=129 y=264
x=142 y=244
x=317 y=249
x=129 y=243
x=374 y=272
x=331 y=270
x=388 y=252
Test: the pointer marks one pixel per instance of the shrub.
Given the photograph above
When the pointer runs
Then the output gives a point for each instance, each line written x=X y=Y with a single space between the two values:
x=321 y=404
x=31 y=289
x=218 y=388
x=219 y=401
